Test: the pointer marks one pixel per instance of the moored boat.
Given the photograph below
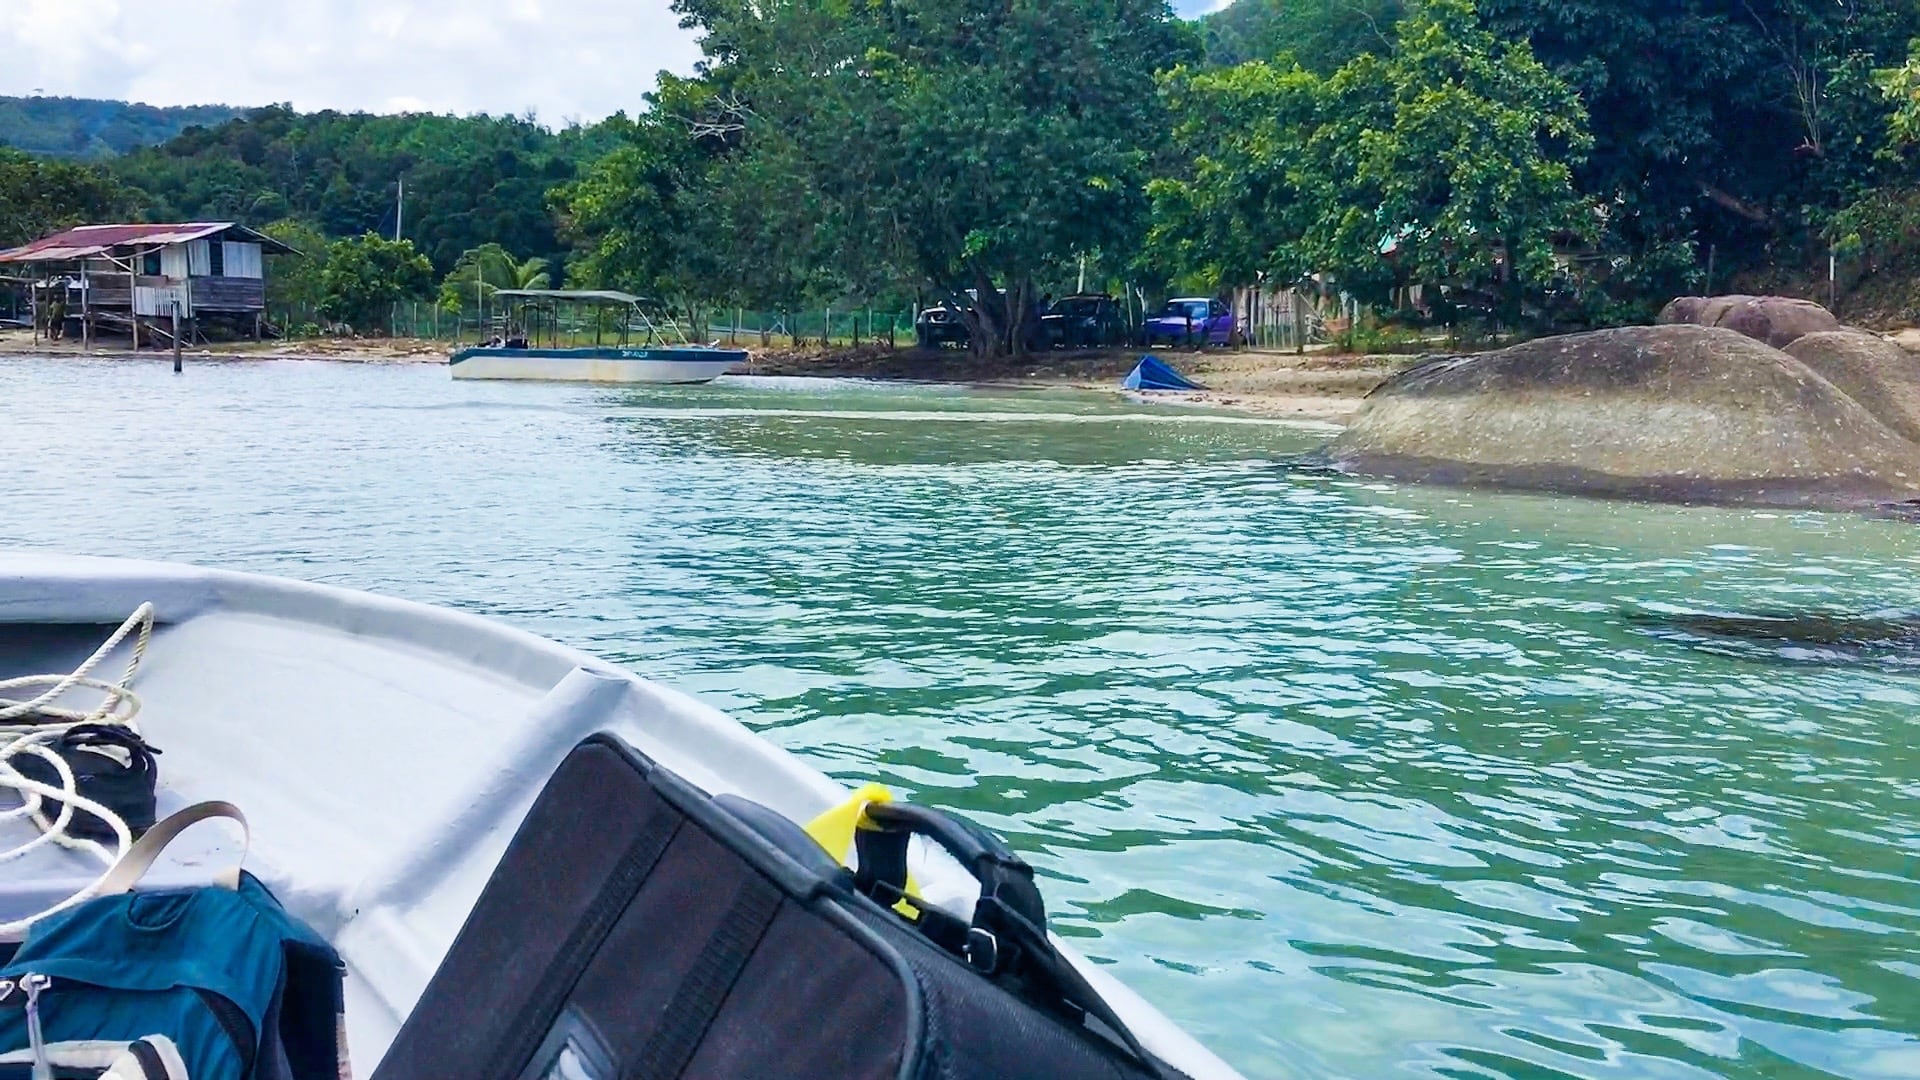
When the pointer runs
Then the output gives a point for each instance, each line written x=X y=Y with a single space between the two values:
x=384 y=753
x=689 y=364
x=646 y=350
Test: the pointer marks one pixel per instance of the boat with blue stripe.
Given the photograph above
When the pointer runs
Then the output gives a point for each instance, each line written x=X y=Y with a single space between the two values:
x=645 y=349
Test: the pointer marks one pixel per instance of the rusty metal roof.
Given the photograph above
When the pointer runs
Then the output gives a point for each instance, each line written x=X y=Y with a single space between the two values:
x=89 y=240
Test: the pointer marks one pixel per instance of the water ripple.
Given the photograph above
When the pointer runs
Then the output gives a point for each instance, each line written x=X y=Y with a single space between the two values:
x=1350 y=779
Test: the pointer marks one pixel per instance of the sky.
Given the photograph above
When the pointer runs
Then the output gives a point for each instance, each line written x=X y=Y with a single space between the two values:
x=563 y=60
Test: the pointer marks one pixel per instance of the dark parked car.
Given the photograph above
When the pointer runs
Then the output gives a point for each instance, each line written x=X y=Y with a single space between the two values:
x=1084 y=321
x=1192 y=320
x=940 y=325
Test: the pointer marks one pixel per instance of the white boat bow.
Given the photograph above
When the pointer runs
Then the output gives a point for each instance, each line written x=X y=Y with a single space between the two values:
x=385 y=752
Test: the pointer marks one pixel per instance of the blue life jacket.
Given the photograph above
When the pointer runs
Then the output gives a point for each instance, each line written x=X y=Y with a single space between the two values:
x=243 y=990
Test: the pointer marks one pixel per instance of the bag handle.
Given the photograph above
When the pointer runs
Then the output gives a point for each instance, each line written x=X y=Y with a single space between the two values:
x=145 y=851
x=1010 y=919
x=991 y=862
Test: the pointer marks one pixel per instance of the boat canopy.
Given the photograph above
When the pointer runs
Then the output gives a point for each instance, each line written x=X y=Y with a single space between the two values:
x=610 y=296
x=541 y=315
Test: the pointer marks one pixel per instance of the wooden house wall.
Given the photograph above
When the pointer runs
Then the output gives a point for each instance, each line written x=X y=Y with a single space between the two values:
x=228 y=294
x=184 y=278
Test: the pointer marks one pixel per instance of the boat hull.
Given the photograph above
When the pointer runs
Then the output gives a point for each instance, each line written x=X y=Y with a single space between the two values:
x=682 y=365
x=385 y=752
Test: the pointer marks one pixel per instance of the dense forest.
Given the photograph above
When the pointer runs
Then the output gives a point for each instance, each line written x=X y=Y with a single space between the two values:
x=1531 y=163
x=87 y=128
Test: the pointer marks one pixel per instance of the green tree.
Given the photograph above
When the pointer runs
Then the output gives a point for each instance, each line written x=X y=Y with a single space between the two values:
x=1322 y=35
x=1232 y=210
x=366 y=275
x=41 y=197
x=469 y=180
x=1901 y=87
x=64 y=127
x=644 y=217
x=962 y=143
x=294 y=281
x=1730 y=124
x=487 y=269
x=1446 y=162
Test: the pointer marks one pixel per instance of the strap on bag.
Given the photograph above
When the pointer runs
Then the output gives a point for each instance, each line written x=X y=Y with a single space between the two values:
x=146 y=851
x=1007 y=939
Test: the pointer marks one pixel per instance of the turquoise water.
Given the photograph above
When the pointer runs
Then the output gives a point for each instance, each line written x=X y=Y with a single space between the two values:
x=1349 y=779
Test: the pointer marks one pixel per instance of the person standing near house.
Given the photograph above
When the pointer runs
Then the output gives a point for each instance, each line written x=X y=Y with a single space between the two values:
x=57 y=311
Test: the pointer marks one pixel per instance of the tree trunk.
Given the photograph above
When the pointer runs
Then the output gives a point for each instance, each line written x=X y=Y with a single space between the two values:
x=1019 y=317
x=986 y=320
x=998 y=322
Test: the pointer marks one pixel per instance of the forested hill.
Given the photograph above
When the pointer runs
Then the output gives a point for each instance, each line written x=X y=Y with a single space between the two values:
x=1320 y=34
x=469 y=180
x=91 y=129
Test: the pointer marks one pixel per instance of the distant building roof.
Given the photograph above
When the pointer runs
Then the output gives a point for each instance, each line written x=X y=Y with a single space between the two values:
x=86 y=241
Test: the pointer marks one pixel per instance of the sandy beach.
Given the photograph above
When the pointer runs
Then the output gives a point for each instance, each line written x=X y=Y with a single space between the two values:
x=1317 y=385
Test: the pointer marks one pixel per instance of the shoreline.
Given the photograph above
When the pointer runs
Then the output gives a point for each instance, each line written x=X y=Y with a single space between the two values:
x=1317 y=385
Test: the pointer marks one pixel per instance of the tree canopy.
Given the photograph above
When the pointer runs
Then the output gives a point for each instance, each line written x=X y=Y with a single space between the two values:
x=1444 y=162
x=829 y=153
x=486 y=270
x=469 y=180
x=39 y=197
x=960 y=143
x=365 y=275
x=87 y=128
x=1319 y=35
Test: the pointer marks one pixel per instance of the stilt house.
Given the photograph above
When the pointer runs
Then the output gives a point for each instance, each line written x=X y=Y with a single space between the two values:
x=136 y=279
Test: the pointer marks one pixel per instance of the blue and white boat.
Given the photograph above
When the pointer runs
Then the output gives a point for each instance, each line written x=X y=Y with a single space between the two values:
x=660 y=355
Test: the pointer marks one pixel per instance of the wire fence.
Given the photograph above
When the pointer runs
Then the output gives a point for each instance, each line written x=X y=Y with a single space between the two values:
x=1280 y=319
x=427 y=321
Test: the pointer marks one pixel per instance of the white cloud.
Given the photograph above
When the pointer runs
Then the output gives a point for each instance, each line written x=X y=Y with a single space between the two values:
x=565 y=59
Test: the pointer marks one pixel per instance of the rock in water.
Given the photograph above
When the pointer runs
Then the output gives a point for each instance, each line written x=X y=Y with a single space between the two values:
x=1777 y=320
x=1883 y=377
x=1677 y=413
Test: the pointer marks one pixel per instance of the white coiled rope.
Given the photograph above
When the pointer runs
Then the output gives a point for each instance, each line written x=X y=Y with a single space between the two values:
x=28 y=726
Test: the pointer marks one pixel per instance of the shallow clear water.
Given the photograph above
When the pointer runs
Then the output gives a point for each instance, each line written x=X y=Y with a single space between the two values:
x=1349 y=779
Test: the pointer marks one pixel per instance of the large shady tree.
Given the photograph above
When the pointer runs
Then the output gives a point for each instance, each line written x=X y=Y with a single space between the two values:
x=1444 y=161
x=969 y=144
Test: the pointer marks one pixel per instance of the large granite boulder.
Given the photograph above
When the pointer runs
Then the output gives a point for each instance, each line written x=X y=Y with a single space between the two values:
x=1777 y=320
x=1673 y=413
x=1883 y=377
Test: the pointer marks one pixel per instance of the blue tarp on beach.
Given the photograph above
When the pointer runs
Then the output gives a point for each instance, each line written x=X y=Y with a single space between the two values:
x=1151 y=374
